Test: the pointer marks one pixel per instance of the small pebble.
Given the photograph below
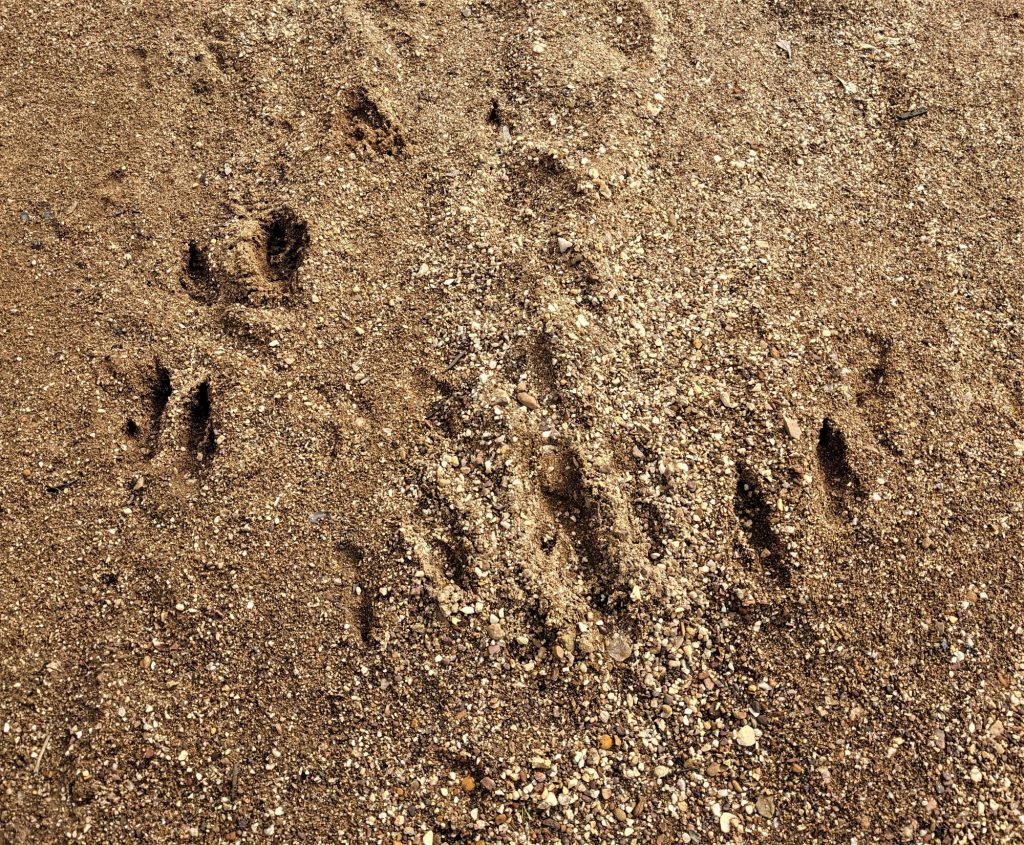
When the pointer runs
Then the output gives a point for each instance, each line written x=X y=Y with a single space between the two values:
x=528 y=400
x=619 y=648
x=746 y=737
x=792 y=428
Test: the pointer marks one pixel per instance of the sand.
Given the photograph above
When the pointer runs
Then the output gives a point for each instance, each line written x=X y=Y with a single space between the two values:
x=511 y=422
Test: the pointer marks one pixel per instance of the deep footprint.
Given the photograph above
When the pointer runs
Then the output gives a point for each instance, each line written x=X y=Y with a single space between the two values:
x=840 y=480
x=202 y=440
x=754 y=514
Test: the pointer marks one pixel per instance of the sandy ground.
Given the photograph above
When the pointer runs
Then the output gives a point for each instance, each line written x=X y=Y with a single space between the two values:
x=501 y=422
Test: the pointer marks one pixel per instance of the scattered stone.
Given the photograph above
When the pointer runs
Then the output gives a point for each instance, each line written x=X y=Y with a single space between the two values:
x=765 y=807
x=848 y=87
x=605 y=742
x=618 y=647
x=792 y=427
x=786 y=47
x=528 y=400
x=746 y=736
x=564 y=245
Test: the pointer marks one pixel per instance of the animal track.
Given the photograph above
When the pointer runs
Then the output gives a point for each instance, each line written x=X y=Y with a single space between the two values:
x=755 y=517
x=452 y=544
x=841 y=482
x=368 y=126
x=173 y=420
x=159 y=394
x=634 y=28
x=571 y=548
x=347 y=609
x=810 y=13
x=877 y=392
x=202 y=441
x=496 y=115
x=539 y=179
x=576 y=528
x=198 y=281
x=874 y=379
x=590 y=276
x=357 y=596
x=286 y=239
x=154 y=389
x=254 y=262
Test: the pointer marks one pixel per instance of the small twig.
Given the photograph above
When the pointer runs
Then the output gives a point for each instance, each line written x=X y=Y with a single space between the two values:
x=910 y=115
x=455 y=362
x=42 y=751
